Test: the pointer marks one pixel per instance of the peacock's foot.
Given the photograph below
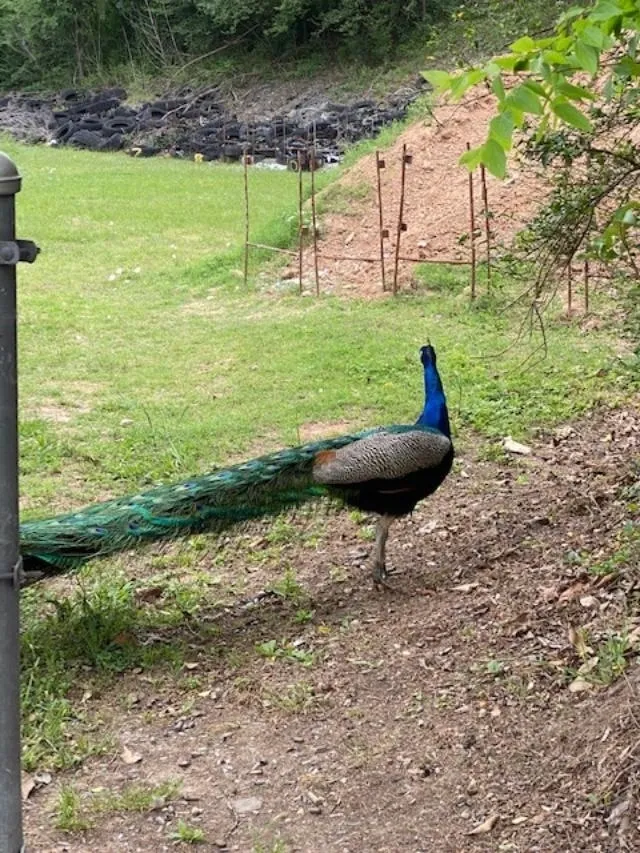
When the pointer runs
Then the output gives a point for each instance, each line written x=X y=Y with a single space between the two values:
x=381 y=575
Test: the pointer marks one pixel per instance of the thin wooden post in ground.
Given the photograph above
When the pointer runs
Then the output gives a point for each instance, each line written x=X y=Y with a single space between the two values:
x=380 y=164
x=487 y=222
x=300 y=222
x=406 y=158
x=472 y=226
x=569 y=288
x=246 y=219
x=313 y=216
x=586 y=286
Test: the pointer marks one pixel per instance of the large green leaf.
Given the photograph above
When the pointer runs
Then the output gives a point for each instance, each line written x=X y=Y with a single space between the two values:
x=523 y=45
x=498 y=89
x=472 y=158
x=595 y=37
x=587 y=56
x=439 y=79
x=494 y=158
x=571 y=115
x=605 y=10
x=573 y=92
x=501 y=129
x=524 y=99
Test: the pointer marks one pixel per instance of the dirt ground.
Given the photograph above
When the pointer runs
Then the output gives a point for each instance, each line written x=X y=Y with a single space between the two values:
x=439 y=718
x=436 y=205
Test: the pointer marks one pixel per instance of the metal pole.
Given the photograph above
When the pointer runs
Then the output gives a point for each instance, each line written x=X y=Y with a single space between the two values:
x=402 y=226
x=472 y=235
x=246 y=219
x=586 y=286
x=300 y=223
x=380 y=164
x=487 y=222
x=10 y=253
x=313 y=215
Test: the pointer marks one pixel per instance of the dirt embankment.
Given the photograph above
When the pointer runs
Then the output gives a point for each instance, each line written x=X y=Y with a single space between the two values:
x=436 y=206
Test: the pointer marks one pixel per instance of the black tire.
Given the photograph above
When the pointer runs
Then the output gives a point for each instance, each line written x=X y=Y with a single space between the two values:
x=113 y=143
x=232 y=152
x=86 y=139
x=65 y=131
x=91 y=123
x=70 y=95
x=119 y=124
x=212 y=152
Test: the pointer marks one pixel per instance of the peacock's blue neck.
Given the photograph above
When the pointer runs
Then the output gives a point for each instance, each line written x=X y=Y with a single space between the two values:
x=435 y=413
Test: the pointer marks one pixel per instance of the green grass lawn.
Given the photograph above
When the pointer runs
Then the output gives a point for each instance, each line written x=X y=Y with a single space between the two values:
x=143 y=359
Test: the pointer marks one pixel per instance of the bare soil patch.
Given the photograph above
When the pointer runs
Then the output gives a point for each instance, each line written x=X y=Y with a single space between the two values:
x=398 y=721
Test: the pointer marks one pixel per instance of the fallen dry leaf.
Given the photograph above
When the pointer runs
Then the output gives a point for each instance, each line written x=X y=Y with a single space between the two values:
x=130 y=757
x=579 y=685
x=573 y=590
x=28 y=785
x=578 y=639
x=485 y=826
x=465 y=587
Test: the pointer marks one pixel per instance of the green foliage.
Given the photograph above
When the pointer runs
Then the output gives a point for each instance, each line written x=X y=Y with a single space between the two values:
x=79 y=38
x=69 y=815
x=186 y=834
x=546 y=68
x=563 y=122
x=76 y=813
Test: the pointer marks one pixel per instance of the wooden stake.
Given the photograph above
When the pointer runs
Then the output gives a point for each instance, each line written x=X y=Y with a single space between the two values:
x=406 y=158
x=246 y=220
x=472 y=226
x=586 y=286
x=380 y=164
x=487 y=222
x=313 y=216
x=300 y=222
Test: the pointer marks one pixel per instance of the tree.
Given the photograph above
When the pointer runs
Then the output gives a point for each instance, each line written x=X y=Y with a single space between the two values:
x=574 y=100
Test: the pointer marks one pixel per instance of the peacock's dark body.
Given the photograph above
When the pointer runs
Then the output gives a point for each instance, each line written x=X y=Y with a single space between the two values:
x=385 y=471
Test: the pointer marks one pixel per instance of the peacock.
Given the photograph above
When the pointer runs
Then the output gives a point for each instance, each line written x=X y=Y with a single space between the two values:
x=386 y=470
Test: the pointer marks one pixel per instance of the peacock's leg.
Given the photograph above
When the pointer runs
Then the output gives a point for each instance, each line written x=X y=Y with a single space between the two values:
x=380 y=572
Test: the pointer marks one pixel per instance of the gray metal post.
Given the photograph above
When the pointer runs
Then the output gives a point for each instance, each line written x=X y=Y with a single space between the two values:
x=11 y=251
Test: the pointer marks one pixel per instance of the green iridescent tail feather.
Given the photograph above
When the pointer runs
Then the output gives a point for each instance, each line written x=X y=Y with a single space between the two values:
x=212 y=502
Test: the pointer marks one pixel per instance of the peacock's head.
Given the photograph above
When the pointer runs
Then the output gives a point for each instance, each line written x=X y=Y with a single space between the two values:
x=428 y=355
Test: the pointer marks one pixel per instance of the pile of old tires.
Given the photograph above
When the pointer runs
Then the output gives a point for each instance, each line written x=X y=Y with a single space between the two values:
x=191 y=123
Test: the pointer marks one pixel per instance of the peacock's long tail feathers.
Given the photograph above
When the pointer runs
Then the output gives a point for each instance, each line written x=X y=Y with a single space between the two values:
x=212 y=502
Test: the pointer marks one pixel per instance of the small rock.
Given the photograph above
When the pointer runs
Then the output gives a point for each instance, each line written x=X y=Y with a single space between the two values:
x=512 y=446
x=247 y=805
x=184 y=762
